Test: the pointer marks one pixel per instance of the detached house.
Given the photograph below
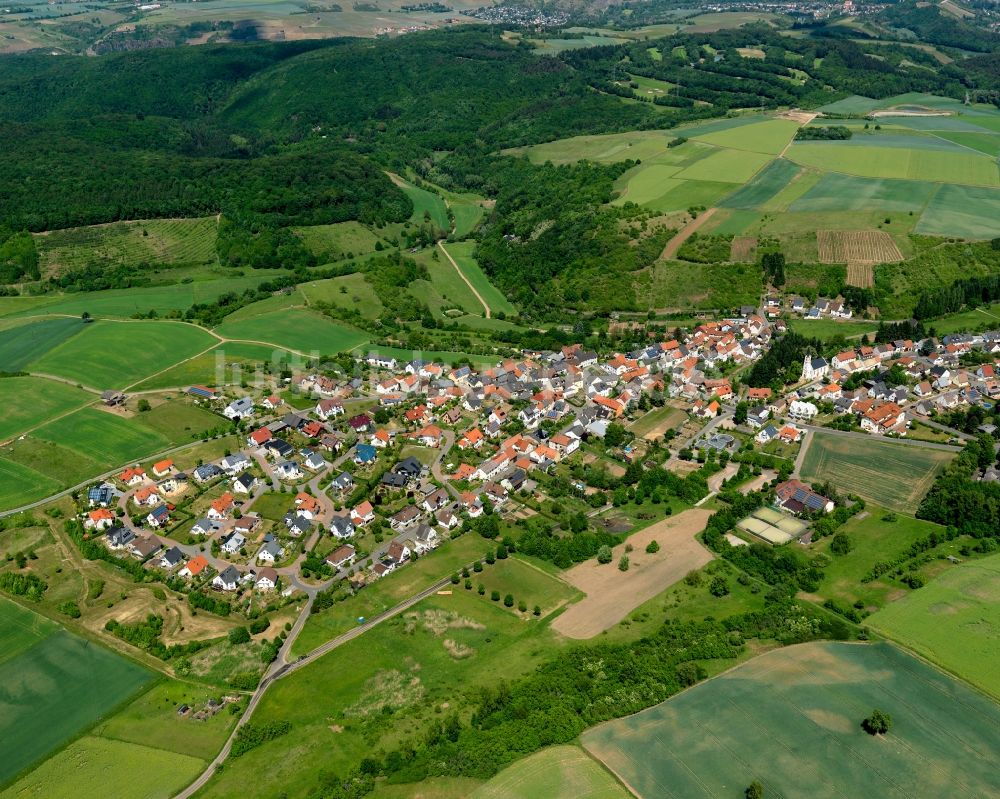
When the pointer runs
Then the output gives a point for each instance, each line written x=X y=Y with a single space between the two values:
x=239 y=409
x=227 y=580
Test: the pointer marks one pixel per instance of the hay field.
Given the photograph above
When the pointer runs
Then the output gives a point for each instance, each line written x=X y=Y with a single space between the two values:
x=791 y=718
x=559 y=772
x=26 y=342
x=954 y=620
x=769 y=136
x=613 y=594
x=859 y=246
x=965 y=211
x=893 y=475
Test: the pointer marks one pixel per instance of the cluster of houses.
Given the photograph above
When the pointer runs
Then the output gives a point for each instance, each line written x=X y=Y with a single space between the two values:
x=823 y=308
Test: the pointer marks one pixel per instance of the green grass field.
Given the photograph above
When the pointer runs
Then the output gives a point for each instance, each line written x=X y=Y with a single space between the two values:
x=349 y=291
x=152 y=720
x=893 y=475
x=872 y=539
x=105 y=437
x=20 y=629
x=677 y=285
x=159 y=241
x=25 y=343
x=666 y=417
x=124 y=303
x=224 y=364
x=825 y=329
x=118 y=354
x=964 y=211
x=54 y=689
x=838 y=192
x=20 y=484
x=389 y=591
x=179 y=421
x=94 y=766
x=338 y=240
x=299 y=330
x=462 y=251
x=791 y=719
x=954 y=620
x=726 y=166
x=936 y=166
x=764 y=185
x=769 y=136
x=426 y=205
x=526 y=582
x=30 y=401
x=435 y=653
x=560 y=772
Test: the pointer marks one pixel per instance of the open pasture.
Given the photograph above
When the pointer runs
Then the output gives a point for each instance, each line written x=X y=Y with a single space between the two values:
x=298 y=330
x=529 y=583
x=426 y=205
x=117 y=354
x=55 y=689
x=25 y=343
x=93 y=766
x=603 y=148
x=791 y=718
x=559 y=772
x=954 y=620
x=612 y=594
x=30 y=401
x=159 y=241
x=893 y=475
x=860 y=246
x=966 y=167
x=226 y=363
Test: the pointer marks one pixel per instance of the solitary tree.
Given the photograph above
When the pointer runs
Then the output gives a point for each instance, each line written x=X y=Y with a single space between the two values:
x=878 y=723
x=755 y=790
x=623 y=563
x=652 y=548
x=604 y=554
x=143 y=405
x=841 y=544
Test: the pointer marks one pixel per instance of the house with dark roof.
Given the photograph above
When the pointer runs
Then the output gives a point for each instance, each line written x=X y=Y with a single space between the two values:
x=796 y=497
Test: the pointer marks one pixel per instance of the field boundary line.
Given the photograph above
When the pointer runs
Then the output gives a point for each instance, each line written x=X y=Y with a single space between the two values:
x=468 y=282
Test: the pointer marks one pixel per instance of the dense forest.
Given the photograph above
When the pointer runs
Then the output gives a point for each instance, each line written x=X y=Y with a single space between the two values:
x=274 y=135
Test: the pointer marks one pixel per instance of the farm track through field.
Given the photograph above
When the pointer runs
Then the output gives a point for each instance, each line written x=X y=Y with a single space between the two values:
x=685 y=233
x=468 y=282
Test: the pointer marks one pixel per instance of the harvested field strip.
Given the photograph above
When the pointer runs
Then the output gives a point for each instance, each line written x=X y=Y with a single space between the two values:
x=791 y=719
x=860 y=274
x=612 y=595
x=863 y=246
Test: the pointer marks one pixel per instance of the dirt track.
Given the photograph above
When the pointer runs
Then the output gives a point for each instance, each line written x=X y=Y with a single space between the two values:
x=613 y=594
x=684 y=234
